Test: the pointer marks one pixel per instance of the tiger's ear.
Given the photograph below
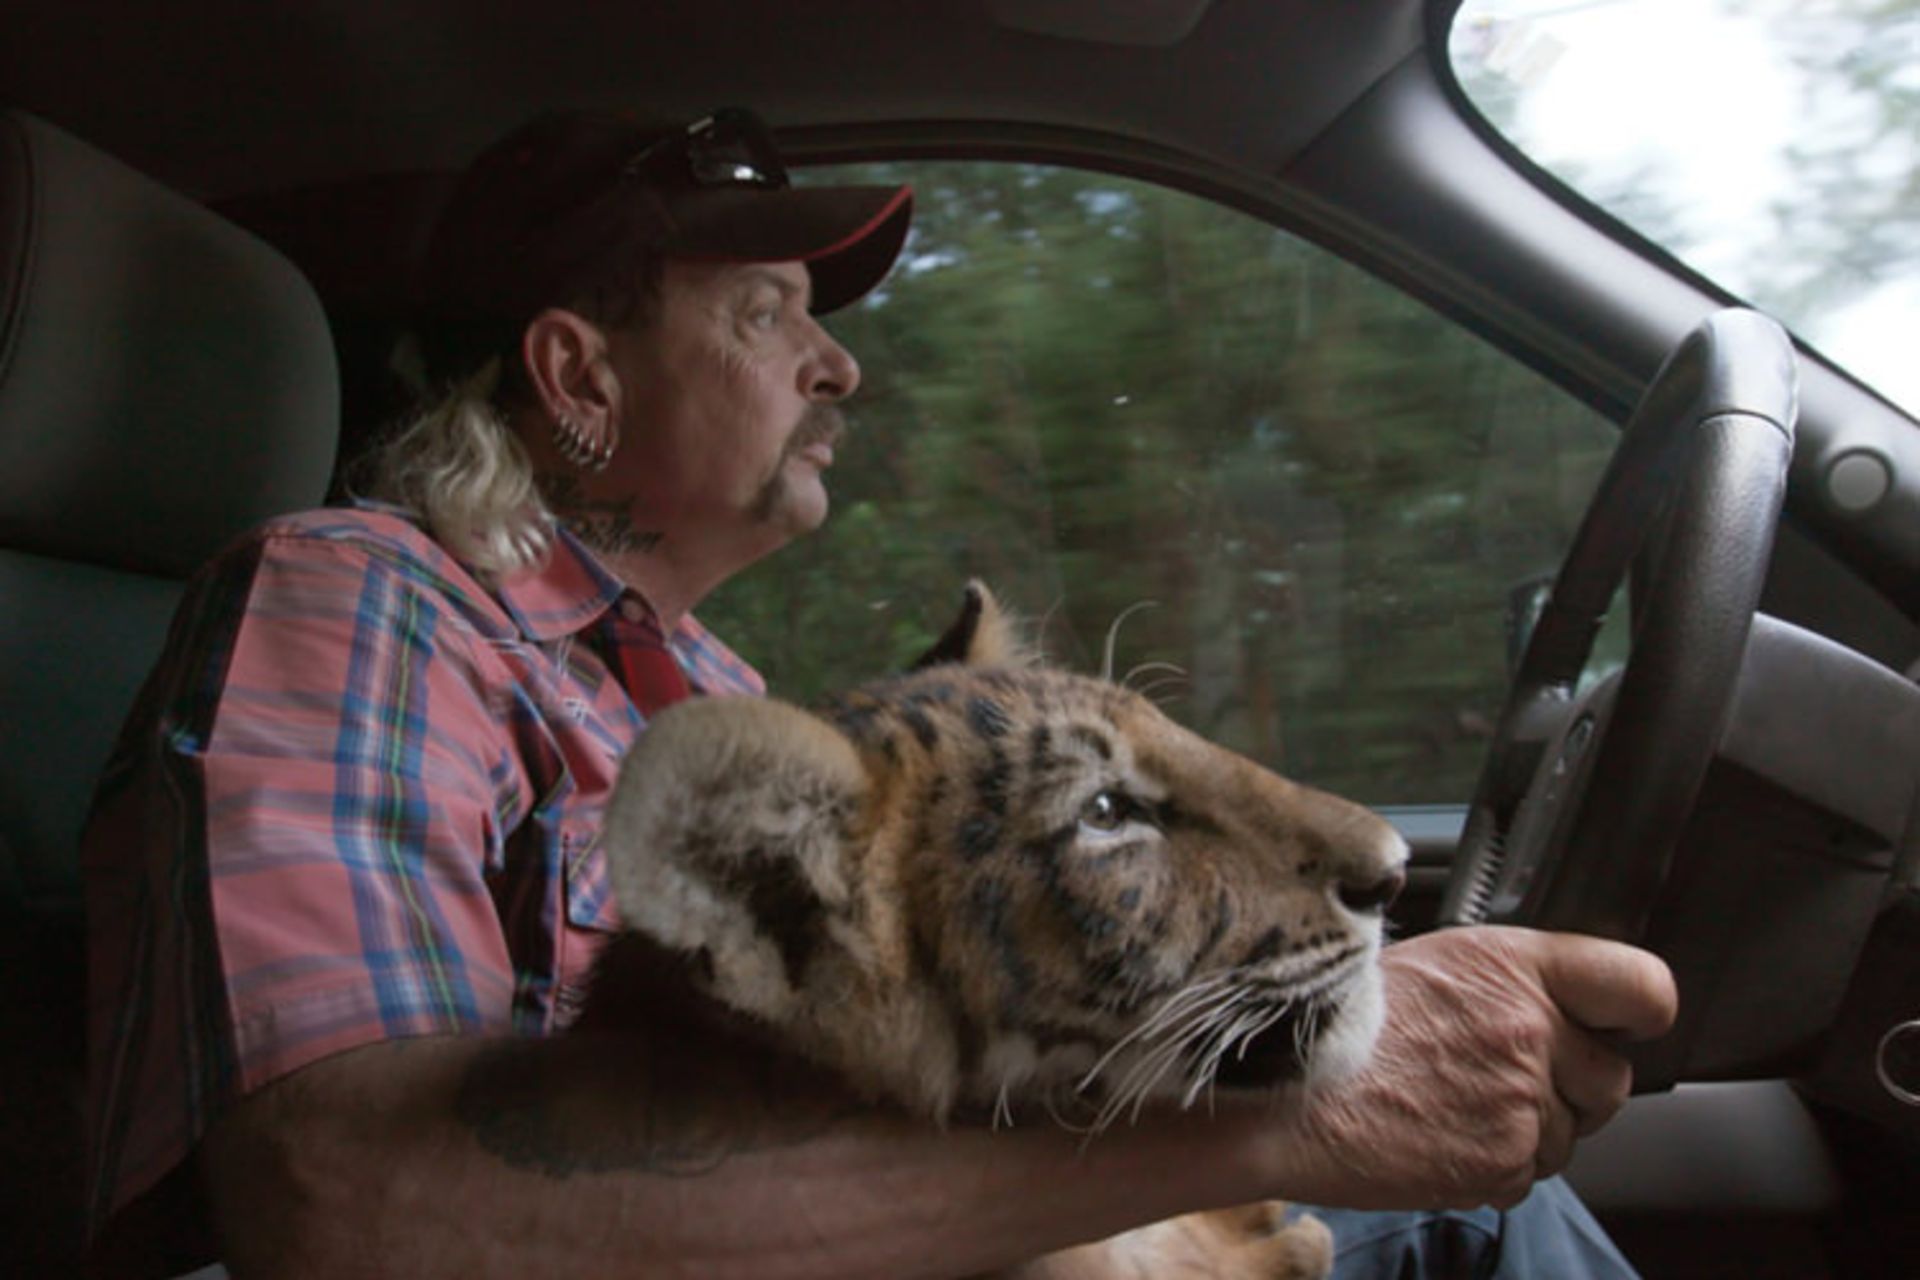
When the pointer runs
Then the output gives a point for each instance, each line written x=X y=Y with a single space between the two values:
x=984 y=635
x=727 y=838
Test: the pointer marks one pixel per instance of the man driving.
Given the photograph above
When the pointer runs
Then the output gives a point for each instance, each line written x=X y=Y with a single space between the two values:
x=344 y=887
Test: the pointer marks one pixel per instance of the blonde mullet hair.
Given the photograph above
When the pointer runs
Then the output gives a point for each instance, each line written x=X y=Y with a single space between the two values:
x=460 y=470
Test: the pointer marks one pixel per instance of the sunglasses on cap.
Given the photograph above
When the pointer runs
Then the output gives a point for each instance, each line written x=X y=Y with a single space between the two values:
x=553 y=211
x=730 y=148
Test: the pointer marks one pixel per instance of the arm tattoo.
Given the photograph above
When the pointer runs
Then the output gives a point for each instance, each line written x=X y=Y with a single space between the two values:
x=602 y=1105
x=605 y=524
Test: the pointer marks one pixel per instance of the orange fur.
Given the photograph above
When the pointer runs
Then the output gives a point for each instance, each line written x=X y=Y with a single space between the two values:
x=992 y=886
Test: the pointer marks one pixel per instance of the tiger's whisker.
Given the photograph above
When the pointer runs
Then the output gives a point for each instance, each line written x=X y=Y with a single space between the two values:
x=1218 y=1045
x=1209 y=1041
x=1148 y=691
x=1138 y=1083
x=1176 y=1006
x=1044 y=627
x=1126 y=681
x=1113 y=635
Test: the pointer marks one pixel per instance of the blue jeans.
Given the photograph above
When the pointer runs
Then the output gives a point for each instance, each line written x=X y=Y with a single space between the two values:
x=1548 y=1236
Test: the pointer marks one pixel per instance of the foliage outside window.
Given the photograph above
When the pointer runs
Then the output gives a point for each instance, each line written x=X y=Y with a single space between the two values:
x=1772 y=144
x=1094 y=393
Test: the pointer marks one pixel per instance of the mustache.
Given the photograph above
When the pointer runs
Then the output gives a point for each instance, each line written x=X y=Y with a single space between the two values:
x=819 y=424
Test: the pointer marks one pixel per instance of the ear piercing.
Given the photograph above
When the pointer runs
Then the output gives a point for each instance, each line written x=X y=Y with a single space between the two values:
x=589 y=451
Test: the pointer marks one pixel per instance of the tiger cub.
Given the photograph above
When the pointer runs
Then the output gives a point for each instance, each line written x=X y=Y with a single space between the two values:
x=988 y=885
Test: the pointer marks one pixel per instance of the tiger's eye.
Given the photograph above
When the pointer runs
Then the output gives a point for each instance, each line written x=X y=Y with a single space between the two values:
x=1104 y=812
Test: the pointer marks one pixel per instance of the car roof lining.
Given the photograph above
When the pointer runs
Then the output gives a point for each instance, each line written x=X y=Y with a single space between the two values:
x=286 y=98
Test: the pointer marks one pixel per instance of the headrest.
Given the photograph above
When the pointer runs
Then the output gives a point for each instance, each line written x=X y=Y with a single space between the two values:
x=166 y=379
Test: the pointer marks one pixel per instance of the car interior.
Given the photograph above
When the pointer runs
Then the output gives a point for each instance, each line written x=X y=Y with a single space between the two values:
x=168 y=380
x=206 y=231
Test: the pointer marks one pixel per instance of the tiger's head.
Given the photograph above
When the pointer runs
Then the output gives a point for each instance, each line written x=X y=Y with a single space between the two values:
x=989 y=881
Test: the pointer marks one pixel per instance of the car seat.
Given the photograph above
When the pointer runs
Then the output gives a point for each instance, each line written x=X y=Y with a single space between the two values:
x=166 y=380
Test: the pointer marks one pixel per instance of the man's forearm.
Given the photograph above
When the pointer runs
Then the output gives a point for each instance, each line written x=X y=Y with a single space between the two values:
x=609 y=1156
x=595 y=1155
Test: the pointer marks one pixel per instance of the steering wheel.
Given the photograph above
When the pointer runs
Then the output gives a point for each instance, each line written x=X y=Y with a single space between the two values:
x=1584 y=793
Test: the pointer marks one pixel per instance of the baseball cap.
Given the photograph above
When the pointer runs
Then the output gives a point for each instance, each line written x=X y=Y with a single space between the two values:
x=567 y=202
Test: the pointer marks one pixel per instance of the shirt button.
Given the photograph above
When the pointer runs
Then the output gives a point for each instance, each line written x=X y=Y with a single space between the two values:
x=631 y=610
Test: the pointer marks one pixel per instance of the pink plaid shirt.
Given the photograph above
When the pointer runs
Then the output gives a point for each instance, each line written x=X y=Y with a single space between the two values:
x=358 y=800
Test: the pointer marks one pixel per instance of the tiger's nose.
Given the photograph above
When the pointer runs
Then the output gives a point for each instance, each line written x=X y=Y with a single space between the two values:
x=1373 y=894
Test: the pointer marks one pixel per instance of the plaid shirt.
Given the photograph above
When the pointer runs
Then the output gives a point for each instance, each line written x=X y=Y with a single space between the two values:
x=357 y=800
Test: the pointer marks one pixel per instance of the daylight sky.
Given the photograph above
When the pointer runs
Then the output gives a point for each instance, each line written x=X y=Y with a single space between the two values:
x=1701 y=104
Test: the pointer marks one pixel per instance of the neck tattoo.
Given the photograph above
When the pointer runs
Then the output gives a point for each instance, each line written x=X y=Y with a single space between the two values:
x=605 y=524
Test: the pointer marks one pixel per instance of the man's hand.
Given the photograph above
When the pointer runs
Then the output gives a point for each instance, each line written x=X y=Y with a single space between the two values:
x=1488 y=1070
x=609 y=1156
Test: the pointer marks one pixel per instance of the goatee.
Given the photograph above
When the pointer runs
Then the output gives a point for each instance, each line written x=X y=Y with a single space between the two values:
x=820 y=424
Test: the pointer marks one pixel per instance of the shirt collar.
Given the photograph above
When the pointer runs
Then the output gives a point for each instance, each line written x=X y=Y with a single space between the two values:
x=573 y=589
x=566 y=593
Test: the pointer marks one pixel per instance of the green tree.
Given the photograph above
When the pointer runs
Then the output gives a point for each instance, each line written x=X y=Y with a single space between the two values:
x=1852 y=218
x=1093 y=393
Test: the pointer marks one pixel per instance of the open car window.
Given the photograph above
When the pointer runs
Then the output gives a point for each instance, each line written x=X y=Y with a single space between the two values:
x=1097 y=394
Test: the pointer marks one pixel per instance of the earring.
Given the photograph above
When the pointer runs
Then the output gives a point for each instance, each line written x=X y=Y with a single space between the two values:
x=581 y=449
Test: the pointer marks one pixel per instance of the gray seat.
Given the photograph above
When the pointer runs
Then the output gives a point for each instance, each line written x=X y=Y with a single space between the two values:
x=166 y=380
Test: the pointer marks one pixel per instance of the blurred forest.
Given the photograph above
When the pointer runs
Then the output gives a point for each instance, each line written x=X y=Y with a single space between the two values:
x=1821 y=97
x=1853 y=214
x=1094 y=393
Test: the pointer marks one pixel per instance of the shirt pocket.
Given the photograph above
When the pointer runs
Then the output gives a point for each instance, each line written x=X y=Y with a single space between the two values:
x=590 y=903
x=591 y=918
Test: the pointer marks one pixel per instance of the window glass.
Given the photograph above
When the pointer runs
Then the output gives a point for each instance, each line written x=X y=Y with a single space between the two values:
x=1774 y=145
x=1312 y=501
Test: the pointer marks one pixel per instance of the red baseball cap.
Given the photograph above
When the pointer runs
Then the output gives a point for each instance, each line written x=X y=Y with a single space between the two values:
x=557 y=209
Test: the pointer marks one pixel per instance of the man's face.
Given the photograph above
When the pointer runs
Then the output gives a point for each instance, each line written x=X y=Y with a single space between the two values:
x=728 y=407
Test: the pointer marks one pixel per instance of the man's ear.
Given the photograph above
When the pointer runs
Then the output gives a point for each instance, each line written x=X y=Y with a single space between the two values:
x=983 y=635
x=565 y=355
x=727 y=838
